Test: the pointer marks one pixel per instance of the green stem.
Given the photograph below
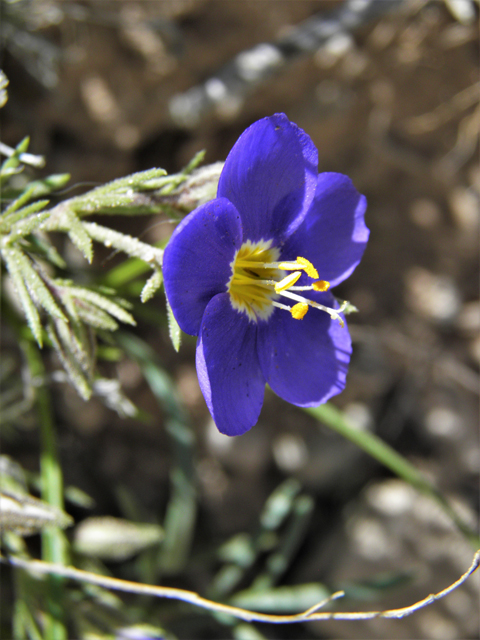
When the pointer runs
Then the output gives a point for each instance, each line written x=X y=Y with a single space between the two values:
x=332 y=417
x=54 y=544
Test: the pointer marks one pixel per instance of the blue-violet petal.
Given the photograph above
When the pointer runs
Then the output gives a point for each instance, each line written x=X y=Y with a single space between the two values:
x=333 y=235
x=270 y=175
x=228 y=369
x=197 y=260
x=305 y=361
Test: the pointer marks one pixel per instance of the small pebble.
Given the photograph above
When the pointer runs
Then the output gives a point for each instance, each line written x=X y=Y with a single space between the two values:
x=425 y=213
x=290 y=452
x=465 y=208
x=435 y=297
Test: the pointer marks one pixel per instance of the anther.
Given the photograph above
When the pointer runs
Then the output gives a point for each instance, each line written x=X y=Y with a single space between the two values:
x=308 y=267
x=299 y=310
x=294 y=265
x=321 y=285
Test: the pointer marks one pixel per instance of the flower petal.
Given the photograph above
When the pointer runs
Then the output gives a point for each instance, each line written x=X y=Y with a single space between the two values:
x=305 y=362
x=270 y=175
x=197 y=260
x=228 y=369
x=333 y=235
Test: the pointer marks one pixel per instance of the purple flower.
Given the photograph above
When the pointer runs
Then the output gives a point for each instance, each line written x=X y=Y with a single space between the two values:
x=242 y=271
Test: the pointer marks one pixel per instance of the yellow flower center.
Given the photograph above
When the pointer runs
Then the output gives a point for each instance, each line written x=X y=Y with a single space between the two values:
x=258 y=281
x=248 y=292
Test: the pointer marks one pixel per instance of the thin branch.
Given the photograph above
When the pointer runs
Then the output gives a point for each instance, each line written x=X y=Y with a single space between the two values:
x=226 y=90
x=251 y=616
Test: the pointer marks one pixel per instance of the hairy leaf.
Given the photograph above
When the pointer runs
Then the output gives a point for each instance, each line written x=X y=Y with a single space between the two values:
x=26 y=515
x=78 y=236
x=174 y=330
x=125 y=243
x=104 y=303
x=74 y=372
x=36 y=287
x=25 y=227
x=152 y=285
x=31 y=313
x=92 y=315
x=25 y=197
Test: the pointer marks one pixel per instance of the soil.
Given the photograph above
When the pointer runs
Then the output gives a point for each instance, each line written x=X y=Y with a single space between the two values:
x=395 y=108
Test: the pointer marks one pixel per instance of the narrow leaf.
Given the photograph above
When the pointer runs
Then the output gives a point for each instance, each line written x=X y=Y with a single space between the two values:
x=113 y=538
x=19 y=202
x=24 y=228
x=122 y=242
x=112 y=396
x=36 y=287
x=42 y=246
x=78 y=235
x=3 y=89
x=174 y=330
x=125 y=272
x=104 y=303
x=282 y=599
x=50 y=183
x=26 y=515
x=12 y=164
x=31 y=313
x=96 y=317
x=73 y=345
x=77 y=377
x=152 y=285
x=8 y=219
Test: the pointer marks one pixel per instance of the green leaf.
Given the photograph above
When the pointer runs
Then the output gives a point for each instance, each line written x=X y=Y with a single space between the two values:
x=36 y=287
x=73 y=336
x=50 y=183
x=245 y=631
x=111 y=538
x=12 y=164
x=31 y=313
x=24 y=623
x=174 y=330
x=152 y=285
x=25 y=197
x=25 y=515
x=289 y=599
x=24 y=228
x=76 y=375
x=126 y=272
x=279 y=504
x=7 y=221
x=118 y=194
x=122 y=242
x=37 y=244
x=112 y=396
x=95 y=317
x=78 y=235
x=103 y=303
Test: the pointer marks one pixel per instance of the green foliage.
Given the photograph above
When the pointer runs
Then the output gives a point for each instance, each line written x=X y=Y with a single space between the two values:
x=70 y=317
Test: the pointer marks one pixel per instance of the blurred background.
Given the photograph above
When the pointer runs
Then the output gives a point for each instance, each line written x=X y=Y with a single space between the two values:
x=389 y=93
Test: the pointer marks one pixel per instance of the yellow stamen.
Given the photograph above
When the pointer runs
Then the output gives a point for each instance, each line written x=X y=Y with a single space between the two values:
x=257 y=283
x=288 y=281
x=321 y=285
x=300 y=263
x=299 y=310
x=308 y=267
